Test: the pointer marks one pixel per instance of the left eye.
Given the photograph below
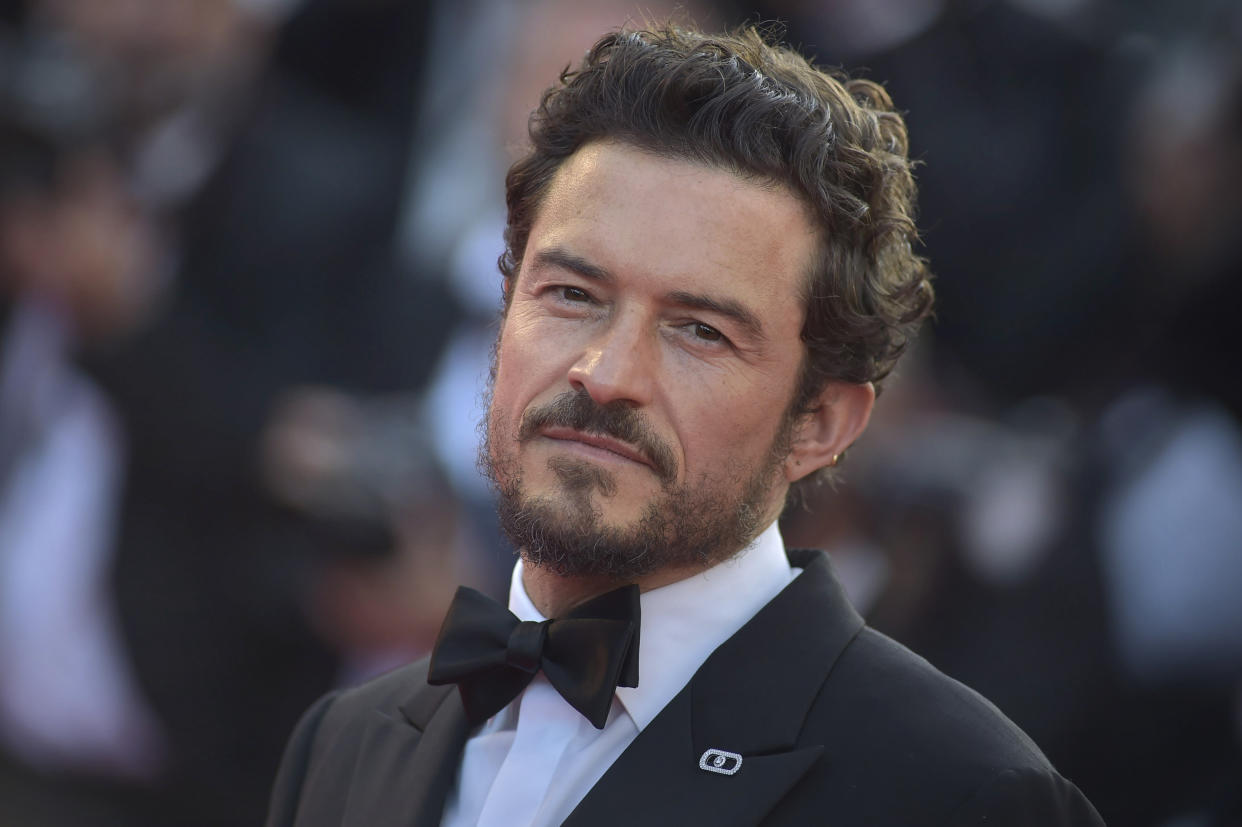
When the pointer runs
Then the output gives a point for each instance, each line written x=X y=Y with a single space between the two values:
x=707 y=333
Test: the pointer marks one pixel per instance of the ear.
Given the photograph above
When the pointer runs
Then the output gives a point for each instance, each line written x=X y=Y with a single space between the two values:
x=506 y=294
x=841 y=412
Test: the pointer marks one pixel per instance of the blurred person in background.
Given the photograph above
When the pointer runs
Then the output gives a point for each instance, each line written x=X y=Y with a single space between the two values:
x=77 y=270
x=1170 y=434
x=269 y=188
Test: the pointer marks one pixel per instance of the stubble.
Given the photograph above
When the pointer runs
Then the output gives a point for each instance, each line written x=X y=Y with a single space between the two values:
x=692 y=525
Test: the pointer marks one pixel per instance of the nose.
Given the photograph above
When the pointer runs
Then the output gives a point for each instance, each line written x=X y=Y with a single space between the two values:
x=618 y=365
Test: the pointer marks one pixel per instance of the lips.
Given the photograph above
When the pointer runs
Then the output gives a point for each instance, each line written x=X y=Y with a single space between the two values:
x=605 y=443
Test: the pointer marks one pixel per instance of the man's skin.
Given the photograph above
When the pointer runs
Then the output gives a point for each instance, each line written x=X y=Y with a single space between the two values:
x=676 y=289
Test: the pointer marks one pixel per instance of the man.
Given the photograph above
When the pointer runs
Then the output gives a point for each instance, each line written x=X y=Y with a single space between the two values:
x=708 y=270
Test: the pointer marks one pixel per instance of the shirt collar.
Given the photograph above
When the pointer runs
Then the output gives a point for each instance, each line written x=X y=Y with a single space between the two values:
x=684 y=622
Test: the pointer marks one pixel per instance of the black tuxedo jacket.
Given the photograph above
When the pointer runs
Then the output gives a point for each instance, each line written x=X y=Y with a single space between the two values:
x=836 y=724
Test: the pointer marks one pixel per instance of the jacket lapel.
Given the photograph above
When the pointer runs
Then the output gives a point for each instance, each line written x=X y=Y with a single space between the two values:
x=410 y=763
x=749 y=698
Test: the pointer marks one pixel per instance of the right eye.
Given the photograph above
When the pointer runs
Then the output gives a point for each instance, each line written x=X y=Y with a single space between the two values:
x=574 y=294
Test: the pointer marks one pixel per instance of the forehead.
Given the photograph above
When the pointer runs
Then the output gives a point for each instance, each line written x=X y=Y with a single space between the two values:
x=670 y=223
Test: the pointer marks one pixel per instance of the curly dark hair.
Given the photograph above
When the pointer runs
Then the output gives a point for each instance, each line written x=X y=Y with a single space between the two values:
x=743 y=103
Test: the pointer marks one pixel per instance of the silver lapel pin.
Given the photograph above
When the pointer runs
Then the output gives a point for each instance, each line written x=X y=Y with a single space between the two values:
x=720 y=761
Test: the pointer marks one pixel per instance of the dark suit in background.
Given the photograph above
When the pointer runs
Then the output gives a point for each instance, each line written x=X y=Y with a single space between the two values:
x=286 y=278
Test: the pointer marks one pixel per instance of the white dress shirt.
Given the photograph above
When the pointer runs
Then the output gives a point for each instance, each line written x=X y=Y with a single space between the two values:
x=536 y=759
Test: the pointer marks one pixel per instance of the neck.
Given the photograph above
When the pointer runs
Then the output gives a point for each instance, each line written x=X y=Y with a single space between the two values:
x=554 y=595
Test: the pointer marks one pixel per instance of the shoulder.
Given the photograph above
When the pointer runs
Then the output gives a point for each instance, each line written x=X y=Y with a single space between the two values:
x=897 y=692
x=906 y=744
x=395 y=695
x=331 y=736
x=873 y=692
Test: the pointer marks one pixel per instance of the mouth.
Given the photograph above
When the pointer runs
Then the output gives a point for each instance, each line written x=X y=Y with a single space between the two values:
x=596 y=445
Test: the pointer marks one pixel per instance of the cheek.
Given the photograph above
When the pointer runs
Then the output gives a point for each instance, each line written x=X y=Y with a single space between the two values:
x=529 y=367
x=529 y=342
x=723 y=420
x=504 y=404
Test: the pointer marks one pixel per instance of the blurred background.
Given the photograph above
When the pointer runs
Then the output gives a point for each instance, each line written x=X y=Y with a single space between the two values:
x=248 y=291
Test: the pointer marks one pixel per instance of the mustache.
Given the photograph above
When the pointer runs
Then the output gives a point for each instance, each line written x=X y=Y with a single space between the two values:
x=577 y=410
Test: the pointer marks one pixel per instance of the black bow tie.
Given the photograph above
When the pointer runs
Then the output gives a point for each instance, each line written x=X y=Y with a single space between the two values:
x=492 y=656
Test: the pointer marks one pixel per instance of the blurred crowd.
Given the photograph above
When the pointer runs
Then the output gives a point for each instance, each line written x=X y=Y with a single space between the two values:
x=248 y=292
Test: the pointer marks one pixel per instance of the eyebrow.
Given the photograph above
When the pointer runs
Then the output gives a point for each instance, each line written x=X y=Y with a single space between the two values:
x=557 y=257
x=730 y=309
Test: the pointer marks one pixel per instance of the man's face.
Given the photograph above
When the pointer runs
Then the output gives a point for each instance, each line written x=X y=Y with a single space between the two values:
x=639 y=415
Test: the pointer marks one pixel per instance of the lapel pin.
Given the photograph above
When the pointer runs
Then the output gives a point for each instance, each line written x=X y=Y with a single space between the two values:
x=720 y=761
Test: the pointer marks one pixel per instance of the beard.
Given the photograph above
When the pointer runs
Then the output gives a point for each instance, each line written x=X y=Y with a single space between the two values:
x=684 y=525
